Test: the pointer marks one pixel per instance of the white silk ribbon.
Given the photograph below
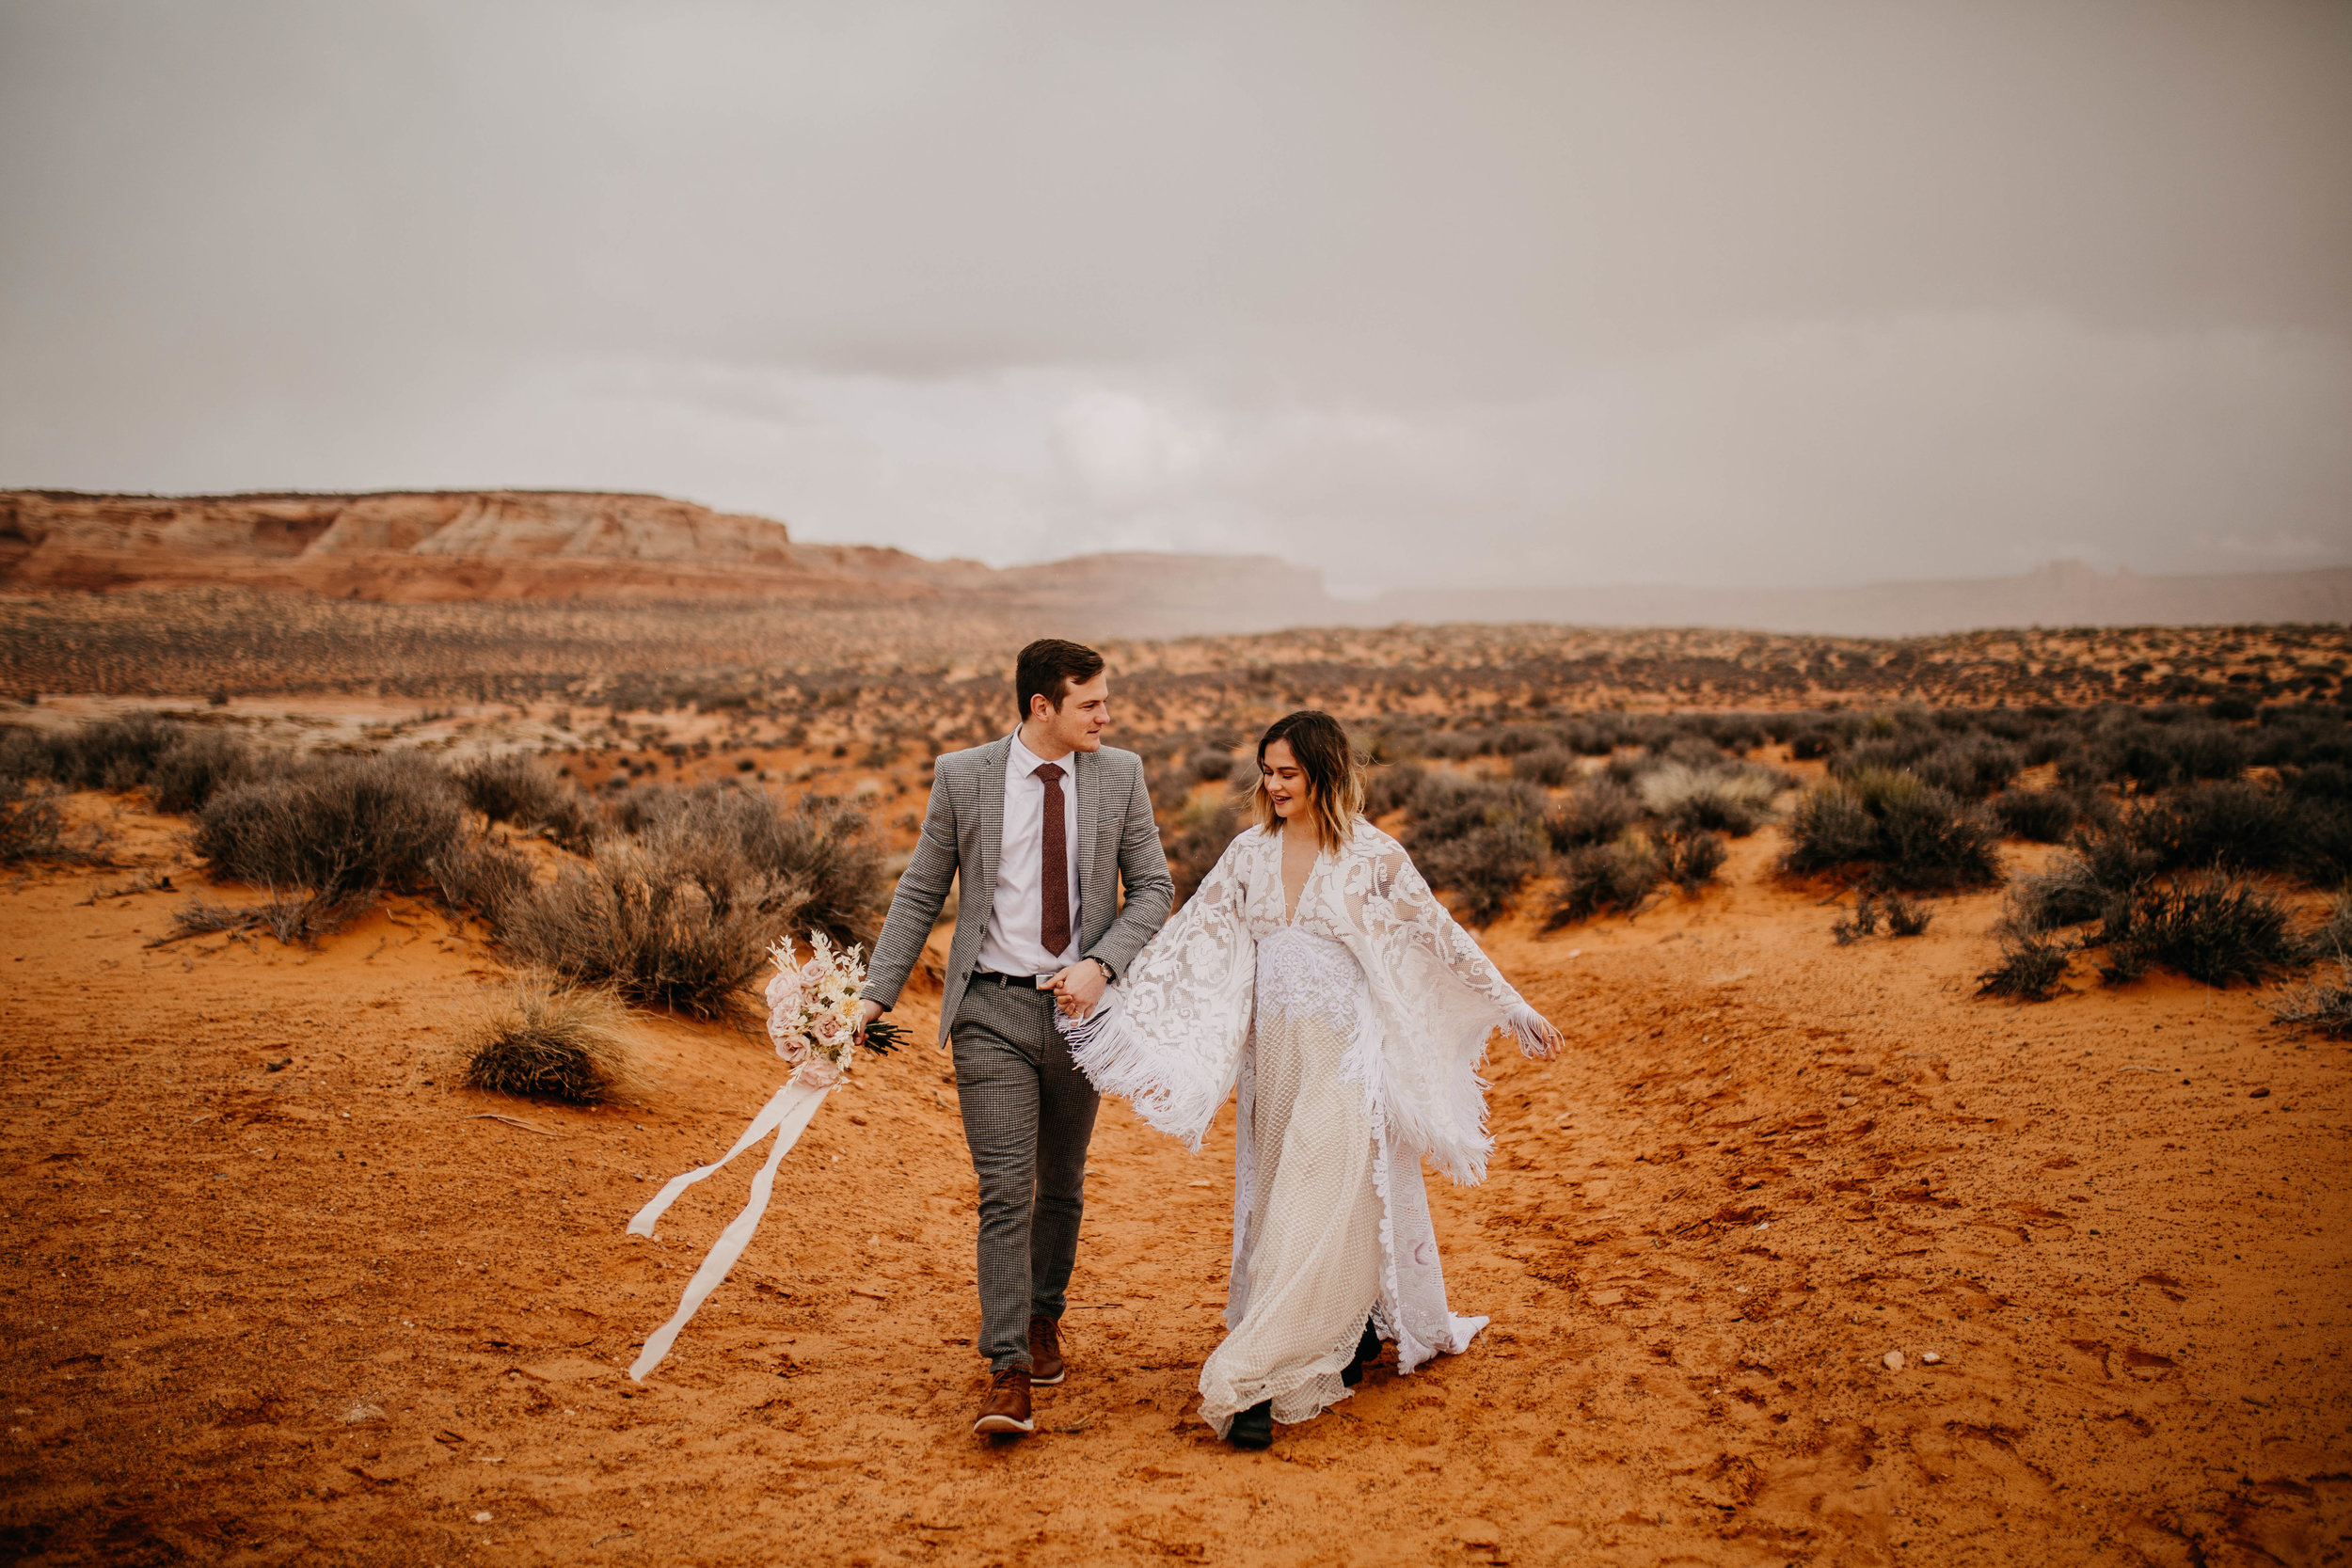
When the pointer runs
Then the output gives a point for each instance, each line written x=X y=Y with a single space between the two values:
x=787 y=1115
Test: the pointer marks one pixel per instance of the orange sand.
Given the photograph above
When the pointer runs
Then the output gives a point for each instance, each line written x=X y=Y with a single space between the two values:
x=329 y=1314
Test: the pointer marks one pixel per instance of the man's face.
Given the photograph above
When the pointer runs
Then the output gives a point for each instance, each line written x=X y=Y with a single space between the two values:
x=1078 y=724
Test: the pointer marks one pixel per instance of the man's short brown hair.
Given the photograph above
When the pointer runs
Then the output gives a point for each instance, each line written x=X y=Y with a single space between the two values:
x=1049 y=667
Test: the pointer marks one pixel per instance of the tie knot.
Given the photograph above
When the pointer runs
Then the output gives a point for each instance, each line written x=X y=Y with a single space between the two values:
x=1049 y=771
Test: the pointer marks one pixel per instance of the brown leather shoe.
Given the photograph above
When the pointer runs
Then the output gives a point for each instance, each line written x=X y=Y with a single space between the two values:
x=1045 y=1364
x=1008 y=1405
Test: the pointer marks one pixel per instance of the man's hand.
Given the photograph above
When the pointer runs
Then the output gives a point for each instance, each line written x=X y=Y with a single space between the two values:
x=868 y=1011
x=1077 y=989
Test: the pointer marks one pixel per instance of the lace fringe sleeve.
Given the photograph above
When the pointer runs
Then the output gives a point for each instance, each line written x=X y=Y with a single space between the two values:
x=1168 y=1037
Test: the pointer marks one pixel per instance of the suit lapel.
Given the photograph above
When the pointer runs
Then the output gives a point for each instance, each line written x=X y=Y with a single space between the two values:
x=991 y=784
x=1090 y=785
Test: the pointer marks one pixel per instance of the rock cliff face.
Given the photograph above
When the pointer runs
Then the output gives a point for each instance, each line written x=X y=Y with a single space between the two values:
x=461 y=545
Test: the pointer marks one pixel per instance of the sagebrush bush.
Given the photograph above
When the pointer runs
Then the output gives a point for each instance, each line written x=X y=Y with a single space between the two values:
x=684 y=930
x=32 y=825
x=1200 y=837
x=2322 y=1005
x=343 y=828
x=522 y=790
x=198 y=765
x=1603 y=879
x=1691 y=799
x=2212 y=929
x=482 y=877
x=1597 y=812
x=558 y=1043
x=2067 y=893
x=2040 y=815
x=1690 y=860
x=1478 y=840
x=1913 y=834
x=1548 y=766
x=1393 y=788
x=731 y=836
x=2030 y=969
x=1905 y=918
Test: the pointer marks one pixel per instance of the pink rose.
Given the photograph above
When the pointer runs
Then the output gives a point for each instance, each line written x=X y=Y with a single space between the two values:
x=817 y=1073
x=830 y=1029
x=784 y=992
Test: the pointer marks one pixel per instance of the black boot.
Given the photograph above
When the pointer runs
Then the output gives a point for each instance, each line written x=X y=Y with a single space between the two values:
x=1367 y=1352
x=1253 y=1428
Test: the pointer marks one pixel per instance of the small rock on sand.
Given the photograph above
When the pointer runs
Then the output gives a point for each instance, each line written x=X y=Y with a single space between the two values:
x=1931 y=1357
x=1478 y=1533
x=1892 y=1360
x=358 y=1412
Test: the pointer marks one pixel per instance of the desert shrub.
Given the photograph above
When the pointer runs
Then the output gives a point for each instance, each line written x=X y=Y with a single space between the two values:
x=686 y=931
x=1478 y=840
x=1396 y=789
x=1200 y=837
x=1914 y=835
x=561 y=1042
x=2069 y=892
x=1208 y=764
x=27 y=753
x=32 y=825
x=197 y=766
x=1691 y=860
x=2041 y=816
x=343 y=828
x=521 y=789
x=730 y=837
x=1602 y=878
x=1857 y=923
x=2212 y=929
x=1687 y=799
x=1550 y=766
x=1905 y=917
x=294 y=918
x=2029 y=970
x=119 y=754
x=2232 y=825
x=1974 y=766
x=1597 y=812
x=483 y=877
x=2324 y=1007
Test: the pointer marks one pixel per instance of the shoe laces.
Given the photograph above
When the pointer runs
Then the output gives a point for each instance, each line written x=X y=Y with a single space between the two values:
x=1009 y=1373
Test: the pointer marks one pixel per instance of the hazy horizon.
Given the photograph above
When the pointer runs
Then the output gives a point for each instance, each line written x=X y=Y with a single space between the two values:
x=1560 y=295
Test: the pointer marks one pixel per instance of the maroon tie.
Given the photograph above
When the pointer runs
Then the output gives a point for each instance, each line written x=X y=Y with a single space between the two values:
x=1054 y=927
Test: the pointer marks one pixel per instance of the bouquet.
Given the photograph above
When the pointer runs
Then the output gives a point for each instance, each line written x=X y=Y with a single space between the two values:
x=812 y=1011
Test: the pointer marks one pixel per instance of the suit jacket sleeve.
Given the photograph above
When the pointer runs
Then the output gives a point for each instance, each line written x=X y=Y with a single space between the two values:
x=914 y=905
x=1143 y=871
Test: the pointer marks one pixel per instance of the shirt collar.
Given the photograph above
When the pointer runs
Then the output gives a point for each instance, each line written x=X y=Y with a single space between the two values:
x=1022 y=763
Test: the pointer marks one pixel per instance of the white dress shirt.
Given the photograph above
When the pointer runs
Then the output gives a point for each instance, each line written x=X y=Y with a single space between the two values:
x=1014 y=942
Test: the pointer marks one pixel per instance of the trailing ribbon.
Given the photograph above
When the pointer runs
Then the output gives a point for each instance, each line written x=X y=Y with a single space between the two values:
x=787 y=1115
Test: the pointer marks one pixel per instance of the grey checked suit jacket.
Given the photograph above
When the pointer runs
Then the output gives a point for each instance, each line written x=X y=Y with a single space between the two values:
x=1118 y=841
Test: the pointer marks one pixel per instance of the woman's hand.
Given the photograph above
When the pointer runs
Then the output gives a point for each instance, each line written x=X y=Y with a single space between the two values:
x=1538 y=1040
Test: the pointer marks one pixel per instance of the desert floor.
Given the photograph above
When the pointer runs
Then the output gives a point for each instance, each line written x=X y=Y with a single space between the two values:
x=277 y=1291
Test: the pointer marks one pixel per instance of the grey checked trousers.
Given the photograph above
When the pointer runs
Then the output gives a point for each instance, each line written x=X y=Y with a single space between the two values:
x=1028 y=1115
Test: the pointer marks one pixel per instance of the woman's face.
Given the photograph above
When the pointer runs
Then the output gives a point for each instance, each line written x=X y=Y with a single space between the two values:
x=1285 y=780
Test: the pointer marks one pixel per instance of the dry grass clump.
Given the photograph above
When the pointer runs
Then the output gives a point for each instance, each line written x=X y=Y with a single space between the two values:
x=1693 y=798
x=554 y=1041
x=728 y=836
x=2029 y=970
x=2324 y=1007
x=1601 y=879
x=2211 y=928
x=32 y=825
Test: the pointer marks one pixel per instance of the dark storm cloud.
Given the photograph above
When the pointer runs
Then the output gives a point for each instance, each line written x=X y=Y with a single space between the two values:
x=1709 y=293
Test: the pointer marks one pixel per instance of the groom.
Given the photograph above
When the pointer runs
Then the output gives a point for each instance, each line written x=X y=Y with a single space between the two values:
x=1043 y=827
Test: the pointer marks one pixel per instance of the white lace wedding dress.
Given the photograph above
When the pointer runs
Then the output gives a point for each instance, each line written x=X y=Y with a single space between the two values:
x=1353 y=1031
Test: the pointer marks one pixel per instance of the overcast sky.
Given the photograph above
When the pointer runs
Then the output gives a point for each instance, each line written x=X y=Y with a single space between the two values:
x=1764 y=291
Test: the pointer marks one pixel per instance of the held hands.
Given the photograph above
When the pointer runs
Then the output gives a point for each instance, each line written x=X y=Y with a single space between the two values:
x=1077 y=989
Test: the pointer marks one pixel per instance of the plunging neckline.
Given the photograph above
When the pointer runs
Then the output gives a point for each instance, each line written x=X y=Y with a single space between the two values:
x=1290 y=907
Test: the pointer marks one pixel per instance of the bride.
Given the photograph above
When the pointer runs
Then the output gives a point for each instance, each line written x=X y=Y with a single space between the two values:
x=1314 y=971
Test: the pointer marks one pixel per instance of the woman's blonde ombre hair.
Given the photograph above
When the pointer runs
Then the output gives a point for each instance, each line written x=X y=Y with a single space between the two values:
x=1334 y=774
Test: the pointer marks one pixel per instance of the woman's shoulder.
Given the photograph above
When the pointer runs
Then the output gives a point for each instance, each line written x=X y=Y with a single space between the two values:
x=1369 y=840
